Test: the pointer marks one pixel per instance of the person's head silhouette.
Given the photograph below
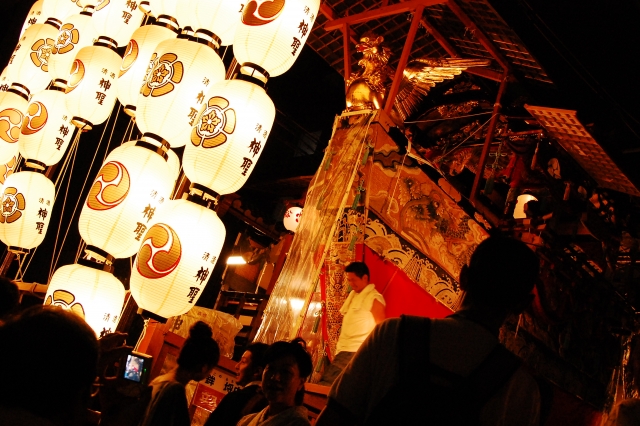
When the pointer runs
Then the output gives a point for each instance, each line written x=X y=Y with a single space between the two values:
x=48 y=363
x=500 y=276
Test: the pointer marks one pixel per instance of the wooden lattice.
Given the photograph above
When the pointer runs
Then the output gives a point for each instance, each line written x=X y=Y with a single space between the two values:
x=564 y=126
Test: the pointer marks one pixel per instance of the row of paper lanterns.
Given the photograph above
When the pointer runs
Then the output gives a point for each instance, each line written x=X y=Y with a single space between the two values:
x=174 y=86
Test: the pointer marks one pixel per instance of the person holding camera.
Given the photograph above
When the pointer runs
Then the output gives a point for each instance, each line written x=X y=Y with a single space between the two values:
x=199 y=355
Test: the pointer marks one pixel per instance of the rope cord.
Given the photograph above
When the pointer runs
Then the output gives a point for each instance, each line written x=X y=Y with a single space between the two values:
x=446 y=119
x=54 y=260
x=466 y=139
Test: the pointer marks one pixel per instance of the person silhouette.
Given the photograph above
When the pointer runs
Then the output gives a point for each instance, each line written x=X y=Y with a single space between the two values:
x=450 y=371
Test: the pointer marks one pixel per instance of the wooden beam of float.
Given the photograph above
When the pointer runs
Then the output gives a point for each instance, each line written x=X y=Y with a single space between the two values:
x=448 y=47
x=404 y=58
x=479 y=35
x=381 y=12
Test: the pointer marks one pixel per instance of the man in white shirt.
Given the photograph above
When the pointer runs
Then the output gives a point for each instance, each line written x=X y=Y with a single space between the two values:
x=363 y=309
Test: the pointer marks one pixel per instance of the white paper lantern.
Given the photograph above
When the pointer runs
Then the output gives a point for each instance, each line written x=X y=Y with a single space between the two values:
x=90 y=95
x=125 y=199
x=46 y=129
x=176 y=258
x=76 y=33
x=60 y=9
x=291 y=218
x=13 y=104
x=118 y=20
x=229 y=134
x=4 y=82
x=518 y=212
x=90 y=292
x=165 y=7
x=34 y=16
x=29 y=64
x=27 y=202
x=6 y=170
x=135 y=63
x=175 y=88
x=272 y=33
x=218 y=16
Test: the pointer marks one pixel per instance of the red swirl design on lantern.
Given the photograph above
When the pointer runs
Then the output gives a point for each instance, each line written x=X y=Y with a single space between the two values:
x=261 y=12
x=160 y=252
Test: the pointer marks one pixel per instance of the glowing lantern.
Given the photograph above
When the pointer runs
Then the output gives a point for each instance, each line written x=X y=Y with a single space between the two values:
x=135 y=63
x=165 y=7
x=29 y=65
x=7 y=170
x=60 y=9
x=12 y=104
x=46 y=129
x=291 y=218
x=118 y=20
x=230 y=133
x=174 y=89
x=272 y=33
x=90 y=95
x=34 y=16
x=176 y=257
x=90 y=291
x=4 y=82
x=132 y=186
x=518 y=212
x=27 y=202
x=218 y=16
x=77 y=32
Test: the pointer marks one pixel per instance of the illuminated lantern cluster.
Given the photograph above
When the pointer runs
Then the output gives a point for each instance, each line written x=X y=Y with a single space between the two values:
x=76 y=33
x=90 y=95
x=135 y=63
x=46 y=128
x=174 y=89
x=291 y=218
x=118 y=19
x=230 y=132
x=271 y=34
x=27 y=201
x=12 y=104
x=29 y=64
x=90 y=290
x=218 y=16
x=134 y=182
x=177 y=256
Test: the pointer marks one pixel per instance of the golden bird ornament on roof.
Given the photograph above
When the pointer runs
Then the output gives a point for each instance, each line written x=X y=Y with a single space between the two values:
x=420 y=75
x=367 y=88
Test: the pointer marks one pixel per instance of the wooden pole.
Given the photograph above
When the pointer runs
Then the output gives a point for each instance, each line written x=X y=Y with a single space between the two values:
x=404 y=58
x=475 y=189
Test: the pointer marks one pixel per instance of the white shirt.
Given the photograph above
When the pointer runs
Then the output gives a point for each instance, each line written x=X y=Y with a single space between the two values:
x=358 y=320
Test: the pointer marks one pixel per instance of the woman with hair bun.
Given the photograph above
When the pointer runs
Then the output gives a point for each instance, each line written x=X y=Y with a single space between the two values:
x=199 y=355
x=288 y=365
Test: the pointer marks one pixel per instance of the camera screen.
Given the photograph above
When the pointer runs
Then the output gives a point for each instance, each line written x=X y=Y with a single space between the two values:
x=133 y=368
